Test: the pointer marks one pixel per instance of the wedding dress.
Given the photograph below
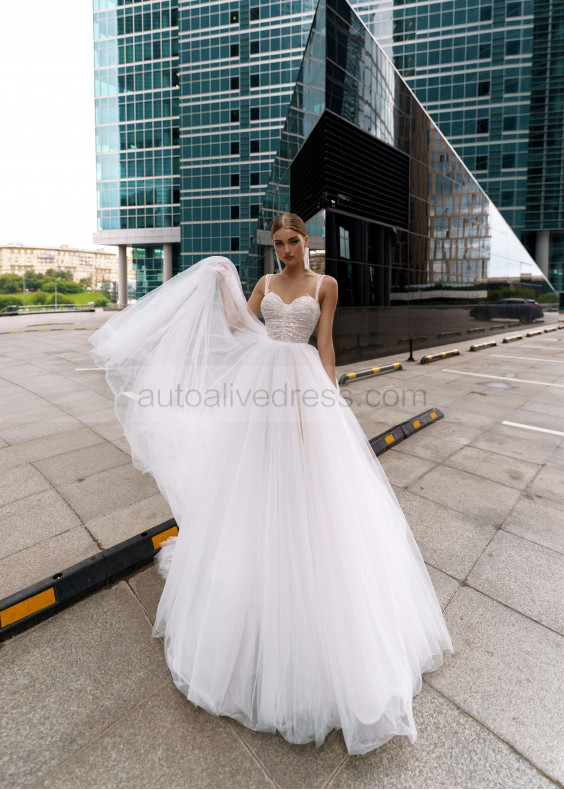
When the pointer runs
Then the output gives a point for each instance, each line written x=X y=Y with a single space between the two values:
x=296 y=598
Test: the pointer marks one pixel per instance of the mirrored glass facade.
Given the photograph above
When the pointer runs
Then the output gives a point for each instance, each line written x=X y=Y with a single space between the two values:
x=398 y=219
x=491 y=75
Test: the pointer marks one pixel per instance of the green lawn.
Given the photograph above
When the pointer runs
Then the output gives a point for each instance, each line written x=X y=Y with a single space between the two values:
x=80 y=298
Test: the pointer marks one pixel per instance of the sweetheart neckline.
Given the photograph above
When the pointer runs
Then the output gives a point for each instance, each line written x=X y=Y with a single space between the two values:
x=304 y=296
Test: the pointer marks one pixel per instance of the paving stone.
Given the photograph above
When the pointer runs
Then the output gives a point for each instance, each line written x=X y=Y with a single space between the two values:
x=78 y=672
x=507 y=673
x=524 y=576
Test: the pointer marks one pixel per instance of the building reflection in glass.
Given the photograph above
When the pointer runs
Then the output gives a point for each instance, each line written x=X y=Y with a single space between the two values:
x=393 y=213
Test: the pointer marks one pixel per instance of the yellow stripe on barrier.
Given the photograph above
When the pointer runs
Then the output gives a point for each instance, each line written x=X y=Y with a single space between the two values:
x=24 y=608
x=351 y=375
x=375 y=370
x=389 y=438
x=162 y=536
x=417 y=424
x=433 y=415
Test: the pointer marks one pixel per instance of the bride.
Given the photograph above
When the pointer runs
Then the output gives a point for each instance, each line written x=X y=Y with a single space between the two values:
x=296 y=598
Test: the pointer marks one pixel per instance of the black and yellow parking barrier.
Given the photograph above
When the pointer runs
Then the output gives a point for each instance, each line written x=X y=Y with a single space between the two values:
x=398 y=433
x=512 y=337
x=478 y=346
x=432 y=357
x=551 y=329
x=41 y=600
x=536 y=332
x=362 y=374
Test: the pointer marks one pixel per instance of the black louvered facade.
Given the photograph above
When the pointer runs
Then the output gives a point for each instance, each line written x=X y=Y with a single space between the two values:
x=340 y=166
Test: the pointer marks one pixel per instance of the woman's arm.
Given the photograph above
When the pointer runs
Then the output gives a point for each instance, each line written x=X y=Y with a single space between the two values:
x=330 y=289
x=255 y=298
x=232 y=315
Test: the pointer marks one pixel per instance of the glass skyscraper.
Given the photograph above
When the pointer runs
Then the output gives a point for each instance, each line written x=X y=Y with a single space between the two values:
x=137 y=106
x=295 y=106
x=239 y=63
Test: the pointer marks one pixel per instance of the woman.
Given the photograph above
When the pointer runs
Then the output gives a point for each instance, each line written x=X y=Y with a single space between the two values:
x=296 y=598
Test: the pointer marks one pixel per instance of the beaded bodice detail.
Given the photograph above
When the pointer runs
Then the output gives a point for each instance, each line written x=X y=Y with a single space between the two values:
x=291 y=321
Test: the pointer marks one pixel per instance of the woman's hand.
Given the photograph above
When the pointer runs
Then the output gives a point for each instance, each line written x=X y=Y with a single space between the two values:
x=221 y=265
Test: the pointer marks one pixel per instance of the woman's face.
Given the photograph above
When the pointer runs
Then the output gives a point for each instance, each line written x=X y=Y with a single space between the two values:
x=289 y=246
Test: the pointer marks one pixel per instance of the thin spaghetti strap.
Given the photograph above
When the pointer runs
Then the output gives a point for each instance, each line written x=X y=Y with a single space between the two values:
x=267 y=281
x=318 y=286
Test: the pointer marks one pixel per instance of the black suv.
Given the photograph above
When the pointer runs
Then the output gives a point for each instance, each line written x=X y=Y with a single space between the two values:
x=524 y=310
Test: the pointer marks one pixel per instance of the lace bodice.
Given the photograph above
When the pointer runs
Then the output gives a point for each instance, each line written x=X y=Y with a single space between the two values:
x=291 y=321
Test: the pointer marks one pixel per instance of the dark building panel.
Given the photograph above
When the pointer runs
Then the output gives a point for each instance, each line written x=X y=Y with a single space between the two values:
x=340 y=165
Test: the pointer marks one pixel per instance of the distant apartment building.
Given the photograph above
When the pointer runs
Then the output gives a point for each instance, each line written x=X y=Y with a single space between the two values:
x=100 y=264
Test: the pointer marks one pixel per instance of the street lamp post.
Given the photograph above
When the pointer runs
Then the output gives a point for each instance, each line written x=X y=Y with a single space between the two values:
x=56 y=280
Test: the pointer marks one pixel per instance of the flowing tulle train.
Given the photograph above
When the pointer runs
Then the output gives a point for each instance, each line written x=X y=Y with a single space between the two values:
x=296 y=598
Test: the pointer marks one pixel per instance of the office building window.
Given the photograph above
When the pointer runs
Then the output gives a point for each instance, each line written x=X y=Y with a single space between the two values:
x=485 y=13
x=513 y=9
x=255 y=46
x=234 y=212
x=482 y=125
x=234 y=50
x=511 y=85
x=255 y=80
x=509 y=123
x=234 y=243
x=255 y=179
x=255 y=113
x=234 y=17
x=234 y=116
x=508 y=161
x=234 y=83
x=482 y=162
x=484 y=88
x=234 y=179
x=512 y=47
x=344 y=244
x=255 y=146
x=235 y=147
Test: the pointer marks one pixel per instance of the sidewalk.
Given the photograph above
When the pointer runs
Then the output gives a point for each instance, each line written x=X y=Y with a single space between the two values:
x=88 y=699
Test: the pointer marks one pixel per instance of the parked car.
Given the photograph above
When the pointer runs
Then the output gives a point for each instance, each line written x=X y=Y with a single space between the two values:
x=523 y=310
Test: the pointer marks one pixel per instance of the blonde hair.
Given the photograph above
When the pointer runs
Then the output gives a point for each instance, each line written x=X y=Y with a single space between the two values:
x=291 y=221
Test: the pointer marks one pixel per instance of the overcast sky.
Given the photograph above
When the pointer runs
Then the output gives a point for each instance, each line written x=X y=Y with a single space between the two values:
x=47 y=154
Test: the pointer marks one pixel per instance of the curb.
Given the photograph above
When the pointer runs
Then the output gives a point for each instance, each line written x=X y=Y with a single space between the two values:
x=59 y=329
x=29 y=606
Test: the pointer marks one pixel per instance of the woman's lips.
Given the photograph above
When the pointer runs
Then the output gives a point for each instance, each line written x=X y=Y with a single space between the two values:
x=288 y=257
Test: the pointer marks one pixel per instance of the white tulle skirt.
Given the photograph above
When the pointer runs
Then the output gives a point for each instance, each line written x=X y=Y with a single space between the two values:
x=296 y=598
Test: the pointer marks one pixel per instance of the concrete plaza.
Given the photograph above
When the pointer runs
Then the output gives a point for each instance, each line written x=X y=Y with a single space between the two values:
x=87 y=698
